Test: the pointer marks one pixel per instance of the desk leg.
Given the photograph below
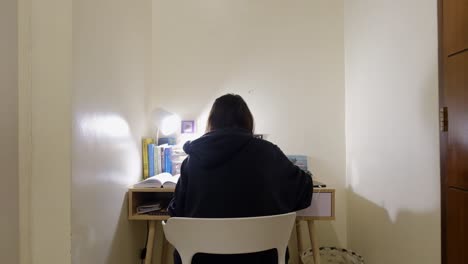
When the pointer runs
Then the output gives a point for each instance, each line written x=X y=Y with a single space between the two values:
x=164 y=249
x=150 y=246
x=314 y=241
x=301 y=243
x=293 y=247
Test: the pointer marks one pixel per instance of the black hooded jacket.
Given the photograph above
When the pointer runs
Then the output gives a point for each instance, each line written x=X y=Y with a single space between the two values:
x=229 y=173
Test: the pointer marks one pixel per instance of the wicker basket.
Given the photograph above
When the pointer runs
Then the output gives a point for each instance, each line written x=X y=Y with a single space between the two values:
x=333 y=255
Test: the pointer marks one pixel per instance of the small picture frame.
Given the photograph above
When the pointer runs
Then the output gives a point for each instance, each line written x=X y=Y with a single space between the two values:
x=188 y=127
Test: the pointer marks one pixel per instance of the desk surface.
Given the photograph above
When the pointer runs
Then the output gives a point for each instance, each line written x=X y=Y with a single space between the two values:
x=169 y=190
x=322 y=208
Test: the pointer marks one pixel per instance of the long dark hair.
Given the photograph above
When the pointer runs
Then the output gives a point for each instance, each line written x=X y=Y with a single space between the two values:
x=230 y=111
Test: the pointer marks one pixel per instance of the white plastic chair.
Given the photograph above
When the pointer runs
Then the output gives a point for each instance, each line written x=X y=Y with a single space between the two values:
x=229 y=235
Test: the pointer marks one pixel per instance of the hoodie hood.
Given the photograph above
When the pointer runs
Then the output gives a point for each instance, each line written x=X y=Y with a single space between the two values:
x=215 y=148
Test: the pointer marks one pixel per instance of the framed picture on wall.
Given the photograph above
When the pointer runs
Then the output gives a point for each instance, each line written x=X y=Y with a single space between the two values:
x=188 y=127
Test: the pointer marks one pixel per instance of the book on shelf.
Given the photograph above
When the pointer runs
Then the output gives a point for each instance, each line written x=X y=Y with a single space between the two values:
x=162 y=211
x=145 y=143
x=151 y=164
x=161 y=159
x=168 y=159
x=150 y=207
x=158 y=158
x=162 y=180
x=178 y=156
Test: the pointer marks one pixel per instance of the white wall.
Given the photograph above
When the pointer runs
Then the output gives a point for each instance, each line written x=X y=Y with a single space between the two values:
x=392 y=130
x=285 y=58
x=47 y=158
x=9 y=230
x=111 y=46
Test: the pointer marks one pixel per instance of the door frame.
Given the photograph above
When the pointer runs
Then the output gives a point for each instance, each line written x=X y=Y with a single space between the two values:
x=24 y=128
x=443 y=137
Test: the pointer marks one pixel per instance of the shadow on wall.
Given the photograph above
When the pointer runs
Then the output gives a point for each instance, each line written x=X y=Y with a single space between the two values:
x=327 y=235
x=108 y=238
x=106 y=160
x=380 y=240
x=328 y=231
x=127 y=235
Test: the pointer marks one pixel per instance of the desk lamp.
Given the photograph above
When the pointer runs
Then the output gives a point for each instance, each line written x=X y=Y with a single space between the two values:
x=167 y=123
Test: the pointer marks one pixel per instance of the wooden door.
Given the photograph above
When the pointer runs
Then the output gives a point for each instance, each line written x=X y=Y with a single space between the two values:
x=457 y=226
x=453 y=21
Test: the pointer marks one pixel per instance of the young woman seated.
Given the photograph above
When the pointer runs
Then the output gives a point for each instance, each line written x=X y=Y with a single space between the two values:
x=230 y=173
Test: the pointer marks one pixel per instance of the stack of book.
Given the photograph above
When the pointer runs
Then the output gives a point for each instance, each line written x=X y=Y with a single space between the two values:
x=161 y=159
x=152 y=209
x=146 y=208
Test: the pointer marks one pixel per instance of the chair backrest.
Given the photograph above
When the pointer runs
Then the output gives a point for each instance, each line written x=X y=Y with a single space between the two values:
x=229 y=235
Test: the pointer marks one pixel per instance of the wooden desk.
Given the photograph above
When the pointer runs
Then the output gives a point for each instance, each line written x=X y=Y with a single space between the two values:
x=322 y=208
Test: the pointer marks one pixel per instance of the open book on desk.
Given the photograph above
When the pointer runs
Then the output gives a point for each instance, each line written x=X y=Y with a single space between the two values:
x=162 y=180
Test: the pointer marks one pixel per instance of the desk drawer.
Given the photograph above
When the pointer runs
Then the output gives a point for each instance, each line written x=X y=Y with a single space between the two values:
x=322 y=207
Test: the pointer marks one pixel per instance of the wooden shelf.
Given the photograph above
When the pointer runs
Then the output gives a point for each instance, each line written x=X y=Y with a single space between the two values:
x=146 y=217
x=140 y=196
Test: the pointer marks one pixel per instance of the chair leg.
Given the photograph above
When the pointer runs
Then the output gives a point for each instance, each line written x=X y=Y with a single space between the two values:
x=186 y=259
x=281 y=256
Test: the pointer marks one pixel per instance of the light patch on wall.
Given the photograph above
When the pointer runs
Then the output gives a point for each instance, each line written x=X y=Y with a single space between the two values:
x=108 y=136
x=104 y=126
x=353 y=168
